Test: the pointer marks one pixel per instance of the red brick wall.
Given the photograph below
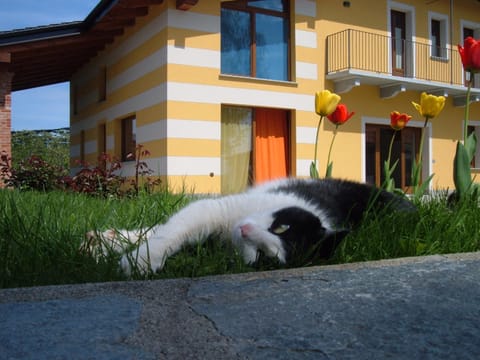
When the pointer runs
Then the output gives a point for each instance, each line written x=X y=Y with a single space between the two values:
x=5 y=110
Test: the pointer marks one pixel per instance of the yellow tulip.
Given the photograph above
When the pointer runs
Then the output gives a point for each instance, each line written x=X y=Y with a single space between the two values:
x=326 y=102
x=430 y=105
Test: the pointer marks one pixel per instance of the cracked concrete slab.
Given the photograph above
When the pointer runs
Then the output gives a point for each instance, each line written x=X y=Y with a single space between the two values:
x=405 y=308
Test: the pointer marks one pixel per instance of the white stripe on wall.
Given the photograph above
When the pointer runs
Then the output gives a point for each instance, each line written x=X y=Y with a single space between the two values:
x=303 y=167
x=177 y=166
x=175 y=55
x=306 y=39
x=306 y=135
x=194 y=57
x=152 y=62
x=172 y=18
x=193 y=129
x=251 y=97
x=179 y=129
x=199 y=93
x=306 y=70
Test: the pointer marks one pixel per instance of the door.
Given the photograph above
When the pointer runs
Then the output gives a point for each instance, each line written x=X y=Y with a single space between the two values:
x=255 y=146
x=271 y=145
x=404 y=149
x=398 y=31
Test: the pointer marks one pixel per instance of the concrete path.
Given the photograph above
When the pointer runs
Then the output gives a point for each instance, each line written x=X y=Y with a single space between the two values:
x=415 y=308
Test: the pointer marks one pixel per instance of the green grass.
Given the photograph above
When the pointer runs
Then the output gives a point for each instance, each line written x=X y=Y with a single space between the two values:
x=40 y=235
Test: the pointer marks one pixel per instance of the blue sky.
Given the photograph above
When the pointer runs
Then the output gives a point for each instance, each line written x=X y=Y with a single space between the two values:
x=44 y=107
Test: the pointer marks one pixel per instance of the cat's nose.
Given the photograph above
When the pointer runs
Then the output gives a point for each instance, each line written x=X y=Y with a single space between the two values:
x=246 y=229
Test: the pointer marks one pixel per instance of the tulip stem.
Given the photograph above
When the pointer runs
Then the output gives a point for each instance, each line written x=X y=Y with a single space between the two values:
x=418 y=166
x=330 y=149
x=316 y=141
x=467 y=111
x=390 y=148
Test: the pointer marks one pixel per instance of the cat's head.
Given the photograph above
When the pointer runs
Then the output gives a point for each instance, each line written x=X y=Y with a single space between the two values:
x=291 y=234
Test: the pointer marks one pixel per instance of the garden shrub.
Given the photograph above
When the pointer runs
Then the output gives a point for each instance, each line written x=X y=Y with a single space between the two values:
x=33 y=173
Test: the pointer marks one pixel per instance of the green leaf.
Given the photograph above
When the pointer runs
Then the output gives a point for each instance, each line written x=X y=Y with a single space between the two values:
x=328 y=173
x=471 y=145
x=461 y=170
x=419 y=190
x=313 y=171
x=387 y=170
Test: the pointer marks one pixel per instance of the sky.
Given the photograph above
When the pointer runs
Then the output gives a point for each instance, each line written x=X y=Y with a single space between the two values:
x=44 y=107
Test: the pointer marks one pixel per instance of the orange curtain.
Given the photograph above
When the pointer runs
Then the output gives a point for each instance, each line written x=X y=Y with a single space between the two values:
x=271 y=146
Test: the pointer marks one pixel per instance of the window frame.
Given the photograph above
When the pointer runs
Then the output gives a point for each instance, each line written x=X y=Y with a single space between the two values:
x=242 y=5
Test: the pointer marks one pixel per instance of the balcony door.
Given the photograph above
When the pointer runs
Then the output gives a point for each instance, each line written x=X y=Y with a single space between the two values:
x=398 y=30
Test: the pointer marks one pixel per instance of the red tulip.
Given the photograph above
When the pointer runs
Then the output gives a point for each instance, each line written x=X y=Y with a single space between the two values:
x=398 y=121
x=470 y=54
x=340 y=115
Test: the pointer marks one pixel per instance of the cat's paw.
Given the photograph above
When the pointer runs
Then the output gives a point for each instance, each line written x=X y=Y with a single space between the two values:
x=98 y=244
x=142 y=261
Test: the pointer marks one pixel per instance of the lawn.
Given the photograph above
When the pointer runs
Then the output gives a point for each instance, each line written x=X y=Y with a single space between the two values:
x=40 y=235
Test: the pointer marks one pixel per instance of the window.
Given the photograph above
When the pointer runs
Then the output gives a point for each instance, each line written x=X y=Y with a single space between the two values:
x=129 y=131
x=435 y=36
x=254 y=146
x=405 y=149
x=255 y=39
x=438 y=36
x=398 y=29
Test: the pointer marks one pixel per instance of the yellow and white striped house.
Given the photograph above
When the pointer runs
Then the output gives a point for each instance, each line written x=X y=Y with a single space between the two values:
x=222 y=92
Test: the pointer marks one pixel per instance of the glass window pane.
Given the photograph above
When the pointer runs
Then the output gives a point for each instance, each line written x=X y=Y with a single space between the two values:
x=271 y=47
x=235 y=33
x=398 y=48
x=268 y=4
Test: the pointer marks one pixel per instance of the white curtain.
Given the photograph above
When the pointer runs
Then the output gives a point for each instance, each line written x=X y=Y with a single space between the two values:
x=236 y=147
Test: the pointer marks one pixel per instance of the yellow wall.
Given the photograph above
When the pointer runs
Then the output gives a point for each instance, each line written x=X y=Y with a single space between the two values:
x=165 y=70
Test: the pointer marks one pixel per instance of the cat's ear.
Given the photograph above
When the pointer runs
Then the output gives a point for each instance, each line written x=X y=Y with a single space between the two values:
x=331 y=241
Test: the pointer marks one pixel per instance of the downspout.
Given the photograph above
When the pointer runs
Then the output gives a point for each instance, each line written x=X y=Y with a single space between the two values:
x=451 y=42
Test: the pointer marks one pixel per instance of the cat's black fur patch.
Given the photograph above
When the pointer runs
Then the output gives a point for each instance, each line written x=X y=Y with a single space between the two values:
x=304 y=230
x=345 y=202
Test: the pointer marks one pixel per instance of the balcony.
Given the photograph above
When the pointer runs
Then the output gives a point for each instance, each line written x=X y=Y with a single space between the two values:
x=361 y=58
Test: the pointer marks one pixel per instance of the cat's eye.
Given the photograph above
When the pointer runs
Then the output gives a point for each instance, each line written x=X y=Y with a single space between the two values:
x=280 y=229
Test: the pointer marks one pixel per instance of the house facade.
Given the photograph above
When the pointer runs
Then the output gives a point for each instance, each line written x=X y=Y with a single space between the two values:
x=221 y=93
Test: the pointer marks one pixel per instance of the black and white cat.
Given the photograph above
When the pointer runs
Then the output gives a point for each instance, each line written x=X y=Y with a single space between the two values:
x=283 y=219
